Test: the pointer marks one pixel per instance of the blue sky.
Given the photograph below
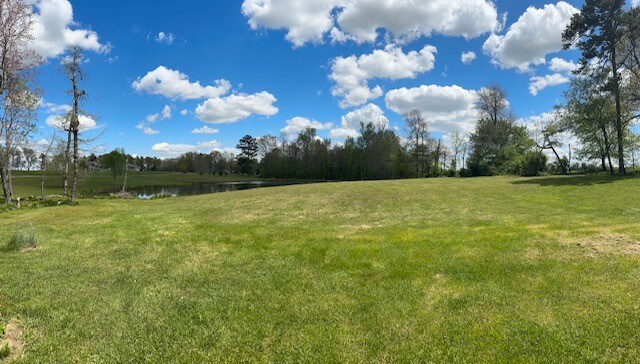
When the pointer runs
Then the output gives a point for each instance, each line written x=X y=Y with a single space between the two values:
x=254 y=51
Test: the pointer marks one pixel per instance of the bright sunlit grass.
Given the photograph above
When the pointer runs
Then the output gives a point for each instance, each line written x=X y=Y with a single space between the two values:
x=493 y=269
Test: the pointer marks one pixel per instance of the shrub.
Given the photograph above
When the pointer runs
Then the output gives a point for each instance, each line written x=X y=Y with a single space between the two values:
x=23 y=238
x=465 y=172
x=533 y=164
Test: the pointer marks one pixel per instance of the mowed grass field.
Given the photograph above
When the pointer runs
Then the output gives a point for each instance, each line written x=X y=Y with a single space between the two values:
x=91 y=183
x=444 y=270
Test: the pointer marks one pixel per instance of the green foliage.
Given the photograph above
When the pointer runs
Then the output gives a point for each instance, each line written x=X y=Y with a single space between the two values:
x=247 y=166
x=590 y=115
x=375 y=154
x=533 y=164
x=596 y=29
x=4 y=351
x=247 y=162
x=116 y=162
x=498 y=148
x=248 y=146
x=599 y=31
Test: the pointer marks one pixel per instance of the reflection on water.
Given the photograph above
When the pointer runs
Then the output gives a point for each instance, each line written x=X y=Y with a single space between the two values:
x=147 y=193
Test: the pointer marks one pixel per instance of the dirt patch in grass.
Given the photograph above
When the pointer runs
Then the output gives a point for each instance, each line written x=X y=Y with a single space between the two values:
x=532 y=254
x=13 y=337
x=28 y=249
x=609 y=243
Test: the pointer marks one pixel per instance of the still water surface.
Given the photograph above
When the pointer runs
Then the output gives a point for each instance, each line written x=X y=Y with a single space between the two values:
x=147 y=193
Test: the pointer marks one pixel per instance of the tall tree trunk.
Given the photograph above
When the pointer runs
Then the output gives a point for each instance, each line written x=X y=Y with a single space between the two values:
x=619 y=127
x=74 y=189
x=44 y=175
x=607 y=146
x=560 y=162
x=464 y=157
x=603 y=158
x=437 y=159
x=65 y=172
x=126 y=173
x=5 y=188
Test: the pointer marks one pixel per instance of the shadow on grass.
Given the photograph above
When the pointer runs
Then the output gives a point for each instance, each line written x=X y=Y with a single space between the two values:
x=579 y=181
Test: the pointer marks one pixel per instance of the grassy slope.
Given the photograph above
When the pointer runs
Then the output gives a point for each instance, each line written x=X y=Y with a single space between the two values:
x=28 y=183
x=421 y=270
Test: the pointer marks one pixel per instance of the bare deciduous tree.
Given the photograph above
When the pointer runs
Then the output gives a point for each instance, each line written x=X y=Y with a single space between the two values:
x=17 y=121
x=73 y=70
x=458 y=146
x=417 y=130
x=17 y=60
x=492 y=104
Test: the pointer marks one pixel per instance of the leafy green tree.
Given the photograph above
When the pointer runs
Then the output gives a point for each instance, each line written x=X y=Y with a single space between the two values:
x=116 y=163
x=533 y=164
x=598 y=30
x=591 y=116
x=247 y=162
x=497 y=145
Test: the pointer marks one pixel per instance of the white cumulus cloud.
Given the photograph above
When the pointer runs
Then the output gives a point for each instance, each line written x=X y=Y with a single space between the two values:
x=361 y=20
x=217 y=108
x=168 y=150
x=447 y=108
x=175 y=85
x=527 y=42
x=205 y=130
x=146 y=128
x=561 y=65
x=299 y=124
x=236 y=107
x=54 y=30
x=352 y=74
x=468 y=57
x=539 y=83
x=166 y=112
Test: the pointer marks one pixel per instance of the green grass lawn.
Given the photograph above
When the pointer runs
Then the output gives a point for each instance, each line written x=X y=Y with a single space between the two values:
x=443 y=270
x=28 y=183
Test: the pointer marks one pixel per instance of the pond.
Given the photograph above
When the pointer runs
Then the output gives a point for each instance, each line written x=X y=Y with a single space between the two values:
x=147 y=193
